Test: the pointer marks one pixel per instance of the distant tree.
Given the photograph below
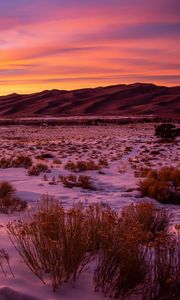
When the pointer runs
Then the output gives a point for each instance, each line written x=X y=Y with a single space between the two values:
x=167 y=132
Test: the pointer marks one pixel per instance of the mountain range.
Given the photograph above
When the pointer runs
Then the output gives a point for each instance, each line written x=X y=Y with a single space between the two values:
x=122 y=100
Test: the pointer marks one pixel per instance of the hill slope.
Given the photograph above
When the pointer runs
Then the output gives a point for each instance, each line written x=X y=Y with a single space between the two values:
x=123 y=100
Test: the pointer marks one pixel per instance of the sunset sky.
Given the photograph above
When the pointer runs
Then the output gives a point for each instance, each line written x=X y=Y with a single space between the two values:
x=68 y=44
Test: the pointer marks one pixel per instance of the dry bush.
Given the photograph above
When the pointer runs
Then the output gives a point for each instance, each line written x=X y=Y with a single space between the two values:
x=53 y=241
x=71 y=166
x=85 y=182
x=5 y=163
x=68 y=181
x=136 y=255
x=81 y=181
x=152 y=220
x=11 y=204
x=4 y=258
x=100 y=220
x=8 y=201
x=81 y=166
x=6 y=189
x=121 y=264
x=20 y=161
x=132 y=263
x=162 y=185
x=57 y=161
x=163 y=280
x=36 y=170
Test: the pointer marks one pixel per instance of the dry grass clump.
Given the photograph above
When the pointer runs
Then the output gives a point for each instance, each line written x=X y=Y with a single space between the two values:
x=152 y=220
x=162 y=185
x=135 y=253
x=137 y=262
x=6 y=189
x=20 y=161
x=55 y=241
x=100 y=222
x=5 y=163
x=81 y=181
x=37 y=169
x=57 y=161
x=121 y=264
x=163 y=280
x=8 y=201
x=121 y=270
x=4 y=258
x=81 y=166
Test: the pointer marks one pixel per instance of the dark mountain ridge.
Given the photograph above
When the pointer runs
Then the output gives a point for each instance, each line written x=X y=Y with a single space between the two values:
x=123 y=100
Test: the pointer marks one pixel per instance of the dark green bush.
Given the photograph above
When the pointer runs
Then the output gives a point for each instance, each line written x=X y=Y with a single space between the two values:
x=167 y=132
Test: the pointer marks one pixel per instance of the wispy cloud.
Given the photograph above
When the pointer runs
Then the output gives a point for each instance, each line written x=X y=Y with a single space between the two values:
x=73 y=43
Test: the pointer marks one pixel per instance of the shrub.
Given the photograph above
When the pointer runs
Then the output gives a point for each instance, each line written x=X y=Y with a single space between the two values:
x=85 y=182
x=71 y=166
x=57 y=161
x=5 y=163
x=121 y=264
x=37 y=169
x=82 y=166
x=8 y=201
x=11 y=204
x=82 y=181
x=69 y=181
x=100 y=221
x=4 y=257
x=166 y=132
x=152 y=220
x=162 y=185
x=62 y=242
x=130 y=264
x=164 y=269
x=22 y=161
x=52 y=241
x=6 y=189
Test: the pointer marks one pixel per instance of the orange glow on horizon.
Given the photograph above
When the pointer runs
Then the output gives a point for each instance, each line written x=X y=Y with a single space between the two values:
x=88 y=45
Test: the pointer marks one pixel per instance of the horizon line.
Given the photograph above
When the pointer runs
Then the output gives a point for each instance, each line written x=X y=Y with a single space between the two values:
x=91 y=87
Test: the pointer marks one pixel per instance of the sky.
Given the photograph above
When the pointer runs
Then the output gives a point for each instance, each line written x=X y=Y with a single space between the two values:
x=71 y=44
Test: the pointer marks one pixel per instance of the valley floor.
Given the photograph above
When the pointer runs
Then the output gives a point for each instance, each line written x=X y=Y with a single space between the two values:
x=127 y=149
